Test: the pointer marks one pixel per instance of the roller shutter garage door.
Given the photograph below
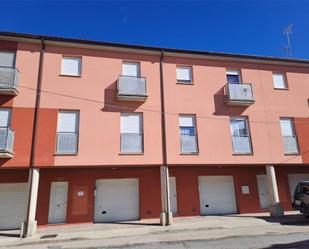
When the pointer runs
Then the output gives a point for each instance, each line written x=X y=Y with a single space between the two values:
x=294 y=179
x=217 y=195
x=116 y=200
x=13 y=203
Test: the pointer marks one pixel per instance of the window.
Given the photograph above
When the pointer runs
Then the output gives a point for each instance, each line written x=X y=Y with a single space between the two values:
x=233 y=76
x=71 y=66
x=7 y=59
x=184 y=74
x=131 y=128
x=67 y=132
x=6 y=133
x=289 y=136
x=279 y=80
x=5 y=117
x=131 y=69
x=240 y=135
x=188 y=137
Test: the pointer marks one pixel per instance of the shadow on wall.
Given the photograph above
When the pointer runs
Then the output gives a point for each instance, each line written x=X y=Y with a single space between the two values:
x=112 y=104
x=5 y=98
x=3 y=161
x=222 y=109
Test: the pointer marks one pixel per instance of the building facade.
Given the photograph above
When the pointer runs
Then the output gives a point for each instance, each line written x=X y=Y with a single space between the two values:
x=85 y=119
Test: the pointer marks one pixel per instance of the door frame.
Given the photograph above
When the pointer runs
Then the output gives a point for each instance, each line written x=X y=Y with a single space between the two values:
x=52 y=185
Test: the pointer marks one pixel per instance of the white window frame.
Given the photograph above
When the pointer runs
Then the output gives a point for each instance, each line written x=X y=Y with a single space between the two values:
x=76 y=131
x=14 y=58
x=246 y=125
x=234 y=72
x=138 y=64
x=248 y=134
x=182 y=81
x=194 y=125
x=285 y=83
x=79 y=71
x=291 y=123
x=9 y=110
x=140 y=132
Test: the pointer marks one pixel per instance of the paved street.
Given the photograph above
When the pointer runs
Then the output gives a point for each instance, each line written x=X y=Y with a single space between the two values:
x=220 y=232
x=290 y=241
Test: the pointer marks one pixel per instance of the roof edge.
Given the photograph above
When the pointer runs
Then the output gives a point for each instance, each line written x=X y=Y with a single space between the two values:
x=174 y=51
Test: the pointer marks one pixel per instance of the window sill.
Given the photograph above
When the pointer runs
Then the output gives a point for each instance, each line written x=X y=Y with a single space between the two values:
x=131 y=153
x=189 y=153
x=65 y=154
x=68 y=75
x=184 y=83
x=243 y=154
x=292 y=154
x=284 y=89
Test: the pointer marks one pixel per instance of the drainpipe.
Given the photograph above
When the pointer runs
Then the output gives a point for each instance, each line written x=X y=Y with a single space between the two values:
x=166 y=217
x=30 y=224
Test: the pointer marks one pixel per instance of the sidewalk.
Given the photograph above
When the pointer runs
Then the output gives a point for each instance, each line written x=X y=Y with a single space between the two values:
x=191 y=228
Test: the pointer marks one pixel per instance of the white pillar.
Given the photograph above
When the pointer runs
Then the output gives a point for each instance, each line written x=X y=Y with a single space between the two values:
x=275 y=206
x=166 y=216
x=30 y=224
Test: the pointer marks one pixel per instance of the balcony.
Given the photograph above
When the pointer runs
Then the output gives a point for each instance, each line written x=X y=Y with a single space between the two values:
x=241 y=145
x=239 y=94
x=67 y=143
x=6 y=142
x=130 y=88
x=9 y=81
x=290 y=145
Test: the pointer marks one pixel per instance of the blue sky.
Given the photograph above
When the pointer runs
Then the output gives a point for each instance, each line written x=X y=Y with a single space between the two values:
x=246 y=27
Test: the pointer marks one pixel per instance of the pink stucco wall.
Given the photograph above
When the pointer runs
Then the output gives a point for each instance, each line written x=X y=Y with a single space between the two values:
x=94 y=94
x=204 y=98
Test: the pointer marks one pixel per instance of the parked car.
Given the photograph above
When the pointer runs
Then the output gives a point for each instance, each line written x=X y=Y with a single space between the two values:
x=301 y=198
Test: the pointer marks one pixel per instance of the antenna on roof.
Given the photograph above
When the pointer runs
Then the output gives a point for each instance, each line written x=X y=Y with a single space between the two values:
x=288 y=31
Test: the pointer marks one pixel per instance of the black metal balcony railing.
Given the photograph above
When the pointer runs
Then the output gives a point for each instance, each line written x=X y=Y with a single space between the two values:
x=7 y=135
x=290 y=145
x=131 y=88
x=9 y=78
x=239 y=94
x=67 y=143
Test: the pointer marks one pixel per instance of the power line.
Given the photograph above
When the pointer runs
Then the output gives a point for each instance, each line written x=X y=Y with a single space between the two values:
x=146 y=109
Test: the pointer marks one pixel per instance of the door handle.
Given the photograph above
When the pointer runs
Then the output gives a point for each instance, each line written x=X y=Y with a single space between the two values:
x=207 y=205
x=104 y=212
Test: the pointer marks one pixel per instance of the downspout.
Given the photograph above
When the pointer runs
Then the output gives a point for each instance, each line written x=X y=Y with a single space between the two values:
x=166 y=210
x=34 y=134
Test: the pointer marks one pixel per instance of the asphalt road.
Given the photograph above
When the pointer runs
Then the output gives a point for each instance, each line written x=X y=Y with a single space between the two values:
x=271 y=241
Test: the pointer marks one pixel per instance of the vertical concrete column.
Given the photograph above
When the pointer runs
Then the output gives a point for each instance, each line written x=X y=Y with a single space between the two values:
x=166 y=216
x=275 y=206
x=30 y=224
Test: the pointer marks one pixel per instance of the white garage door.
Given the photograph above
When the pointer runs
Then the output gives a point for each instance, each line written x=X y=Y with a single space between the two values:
x=294 y=179
x=13 y=203
x=116 y=200
x=217 y=195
